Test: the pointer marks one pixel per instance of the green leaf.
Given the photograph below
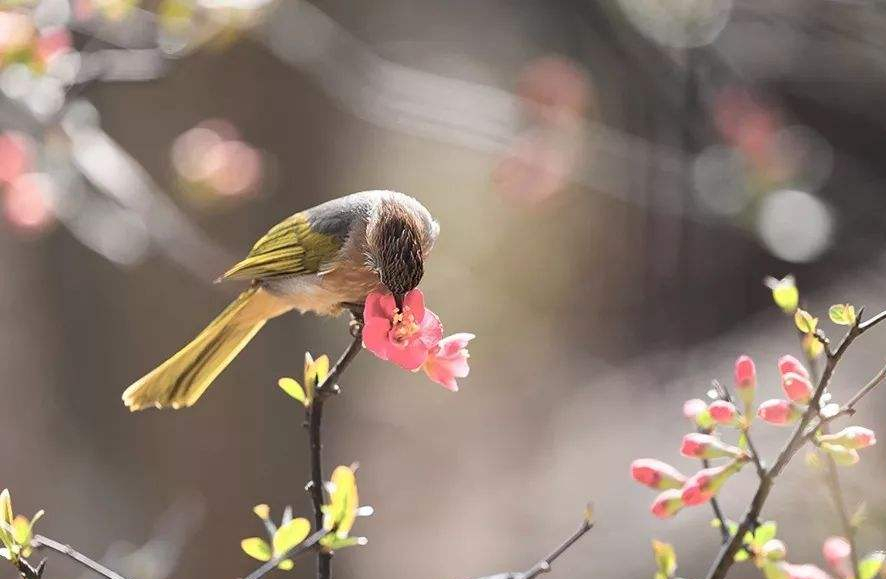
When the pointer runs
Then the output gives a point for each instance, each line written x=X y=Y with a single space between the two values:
x=665 y=559
x=805 y=322
x=764 y=533
x=286 y=565
x=842 y=314
x=743 y=441
x=870 y=565
x=290 y=535
x=256 y=548
x=334 y=543
x=742 y=555
x=784 y=292
x=292 y=388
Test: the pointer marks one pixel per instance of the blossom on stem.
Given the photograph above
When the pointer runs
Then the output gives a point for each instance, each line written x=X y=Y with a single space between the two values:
x=656 y=474
x=779 y=412
x=696 y=410
x=404 y=338
x=667 y=503
x=745 y=379
x=698 y=445
x=788 y=364
x=448 y=360
x=853 y=437
x=797 y=387
x=837 y=551
x=841 y=455
x=774 y=550
x=703 y=485
x=723 y=412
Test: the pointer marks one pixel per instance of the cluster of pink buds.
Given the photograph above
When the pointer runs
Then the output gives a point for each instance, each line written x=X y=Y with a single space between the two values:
x=798 y=390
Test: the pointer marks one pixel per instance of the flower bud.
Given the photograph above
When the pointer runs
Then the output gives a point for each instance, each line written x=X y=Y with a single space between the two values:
x=745 y=379
x=704 y=484
x=723 y=412
x=779 y=412
x=797 y=387
x=841 y=455
x=836 y=551
x=696 y=410
x=667 y=504
x=788 y=364
x=774 y=550
x=656 y=474
x=698 y=445
x=853 y=437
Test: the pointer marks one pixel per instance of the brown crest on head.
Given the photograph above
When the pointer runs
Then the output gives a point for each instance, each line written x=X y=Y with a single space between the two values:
x=395 y=243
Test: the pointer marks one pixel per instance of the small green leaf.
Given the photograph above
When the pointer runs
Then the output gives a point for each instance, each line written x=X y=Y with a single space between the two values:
x=256 y=548
x=292 y=388
x=286 y=565
x=742 y=555
x=812 y=347
x=665 y=559
x=870 y=565
x=784 y=292
x=290 y=535
x=805 y=322
x=262 y=511
x=743 y=441
x=842 y=314
x=764 y=533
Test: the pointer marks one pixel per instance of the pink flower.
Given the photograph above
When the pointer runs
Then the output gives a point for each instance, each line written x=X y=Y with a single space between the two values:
x=802 y=571
x=698 y=445
x=797 y=387
x=723 y=412
x=667 y=504
x=704 y=484
x=656 y=474
x=836 y=551
x=692 y=408
x=404 y=338
x=448 y=360
x=745 y=379
x=778 y=412
x=853 y=437
x=788 y=364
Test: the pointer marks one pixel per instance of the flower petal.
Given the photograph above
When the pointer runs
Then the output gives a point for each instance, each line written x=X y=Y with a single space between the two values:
x=375 y=336
x=415 y=301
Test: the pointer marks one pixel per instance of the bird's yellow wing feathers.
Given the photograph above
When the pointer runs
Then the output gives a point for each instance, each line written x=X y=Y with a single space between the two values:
x=292 y=247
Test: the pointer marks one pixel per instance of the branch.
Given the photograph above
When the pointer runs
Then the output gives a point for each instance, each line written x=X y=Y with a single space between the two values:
x=718 y=512
x=315 y=421
x=726 y=556
x=299 y=549
x=836 y=490
x=544 y=565
x=28 y=571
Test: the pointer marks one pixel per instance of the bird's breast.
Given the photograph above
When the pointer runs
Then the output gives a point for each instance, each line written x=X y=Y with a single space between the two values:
x=324 y=293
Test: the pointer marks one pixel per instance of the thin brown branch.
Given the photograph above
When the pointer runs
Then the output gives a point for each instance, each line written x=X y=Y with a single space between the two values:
x=75 y=555
x=837 y=496
x=315 y=421
x=718 y=512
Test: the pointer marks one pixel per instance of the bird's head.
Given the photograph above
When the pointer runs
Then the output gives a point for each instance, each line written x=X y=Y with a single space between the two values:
x=400 y=233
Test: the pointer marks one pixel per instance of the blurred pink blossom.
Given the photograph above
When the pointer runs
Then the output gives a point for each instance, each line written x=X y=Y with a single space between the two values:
x=788 y=364
x=797 y=388
x=26 y=202
x=656 y=474
x=448 y=360
x=778 y=412
x=16 y=155
x=723 y=412
x=836 y=551
x=667 y=504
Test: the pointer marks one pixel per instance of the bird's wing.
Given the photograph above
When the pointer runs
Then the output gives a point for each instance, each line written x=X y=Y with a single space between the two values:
x=297 y=245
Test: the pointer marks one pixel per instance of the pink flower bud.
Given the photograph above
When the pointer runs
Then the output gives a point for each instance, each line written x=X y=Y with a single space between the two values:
x=723 y=412
x=698 y=445
x=774 y=550
x=788 y=364
x=745 y=379
x=779 y=412
x=797 y=387
x=707 y=482
x=803 y=571
x=692 y=408
x=667 y=504
x=656 y=474
x=836 y=551
x=854 y=437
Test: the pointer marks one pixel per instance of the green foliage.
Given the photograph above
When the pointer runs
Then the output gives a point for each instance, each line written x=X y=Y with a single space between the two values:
x=16 y=531
x=784 y=292
x=805 y=322
x=842 y=314
x=665 y=560
x=289 y=534
x=871 y=565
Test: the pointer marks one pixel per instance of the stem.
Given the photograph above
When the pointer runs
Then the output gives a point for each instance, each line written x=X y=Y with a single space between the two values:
x=299 y=549
x=39 y=541
x=715 y=506
x=726 y=557
x=315 y=422
x=836 y=489
x=544 y=565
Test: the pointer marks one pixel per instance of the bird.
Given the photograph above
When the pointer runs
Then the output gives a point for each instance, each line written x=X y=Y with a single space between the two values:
x=323 y=260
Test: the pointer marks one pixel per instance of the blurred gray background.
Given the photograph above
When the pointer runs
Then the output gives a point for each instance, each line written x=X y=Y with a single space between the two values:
x=613 y=181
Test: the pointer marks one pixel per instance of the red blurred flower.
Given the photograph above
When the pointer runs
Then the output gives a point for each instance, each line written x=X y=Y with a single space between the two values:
x=797 y=387
x=656 y=474
x=836 y=551
x=704 y=484
x=778 y=412
x=788 y=364
x=667 y=504
x=745 y=379
x=723 y=412
x=698 y=445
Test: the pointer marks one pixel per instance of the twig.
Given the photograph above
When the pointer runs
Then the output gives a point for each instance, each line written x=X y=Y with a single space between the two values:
x=30 y=572
x=299 y=549
x=718 y=512
x=315 y=421
x=726 y=557
x=836 y=490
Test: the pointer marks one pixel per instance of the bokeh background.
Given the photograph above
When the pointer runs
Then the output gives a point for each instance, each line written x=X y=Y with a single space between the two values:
x=613 y=179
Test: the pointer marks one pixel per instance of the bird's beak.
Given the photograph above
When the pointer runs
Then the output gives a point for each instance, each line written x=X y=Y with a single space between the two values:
x=398 y=299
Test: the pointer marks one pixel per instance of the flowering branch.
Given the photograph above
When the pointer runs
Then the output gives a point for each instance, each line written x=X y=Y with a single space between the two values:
x=726 y=556
x=314 y=412
x=300 y=549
